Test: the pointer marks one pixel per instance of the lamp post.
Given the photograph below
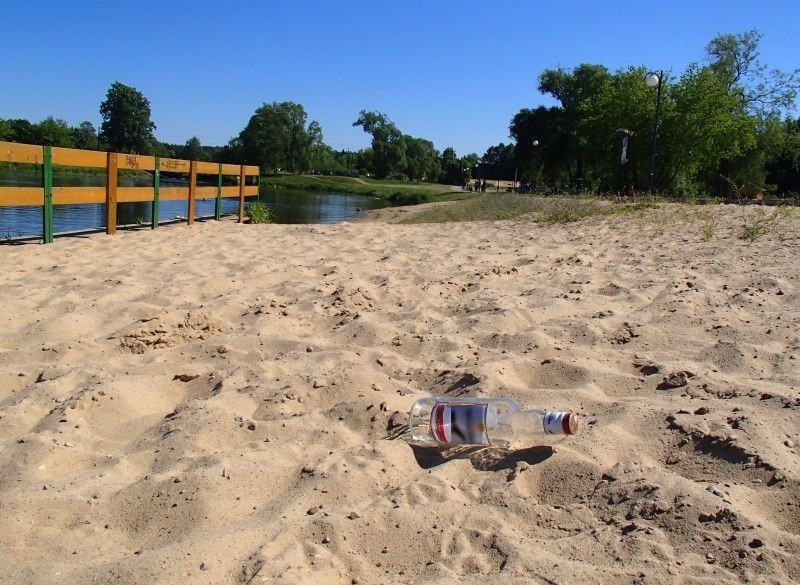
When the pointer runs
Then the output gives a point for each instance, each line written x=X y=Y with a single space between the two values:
x=536 y=168
x=654 y=79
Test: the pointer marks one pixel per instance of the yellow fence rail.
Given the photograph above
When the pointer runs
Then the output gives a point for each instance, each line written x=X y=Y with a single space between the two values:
x=47 y=196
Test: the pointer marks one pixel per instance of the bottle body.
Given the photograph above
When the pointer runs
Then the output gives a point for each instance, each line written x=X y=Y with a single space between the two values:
x=499 y=422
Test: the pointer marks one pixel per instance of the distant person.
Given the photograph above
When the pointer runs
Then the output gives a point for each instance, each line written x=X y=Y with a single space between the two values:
x=483 y=186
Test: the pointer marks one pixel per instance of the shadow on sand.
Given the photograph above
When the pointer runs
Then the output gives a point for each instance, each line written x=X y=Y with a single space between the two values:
x=482 y=458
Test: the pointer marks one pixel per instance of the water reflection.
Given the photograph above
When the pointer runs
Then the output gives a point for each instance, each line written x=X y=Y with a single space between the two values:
x=317 y=206
x=287 y=207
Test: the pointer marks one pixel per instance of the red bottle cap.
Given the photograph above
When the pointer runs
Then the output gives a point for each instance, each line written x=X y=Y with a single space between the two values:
x=570 y=423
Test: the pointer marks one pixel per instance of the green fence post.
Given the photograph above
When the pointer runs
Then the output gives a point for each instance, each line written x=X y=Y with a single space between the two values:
x=156 y=182
x=47 y=183
x=218 y=204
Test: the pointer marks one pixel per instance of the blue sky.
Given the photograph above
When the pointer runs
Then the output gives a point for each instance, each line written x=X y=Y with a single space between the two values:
x=453 y=72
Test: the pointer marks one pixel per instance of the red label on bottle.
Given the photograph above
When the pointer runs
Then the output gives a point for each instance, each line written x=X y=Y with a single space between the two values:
x=459 y=424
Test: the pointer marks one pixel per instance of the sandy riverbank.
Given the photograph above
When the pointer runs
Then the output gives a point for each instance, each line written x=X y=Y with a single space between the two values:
x=208 y=404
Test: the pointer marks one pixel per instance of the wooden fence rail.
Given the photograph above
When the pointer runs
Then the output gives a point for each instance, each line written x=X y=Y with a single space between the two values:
x=47 y=196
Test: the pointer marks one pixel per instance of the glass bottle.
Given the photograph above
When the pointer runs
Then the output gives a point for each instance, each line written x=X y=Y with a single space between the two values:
x=499 y=422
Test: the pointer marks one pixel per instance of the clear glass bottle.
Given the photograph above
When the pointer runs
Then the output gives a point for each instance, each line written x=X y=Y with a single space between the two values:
x=442 y=421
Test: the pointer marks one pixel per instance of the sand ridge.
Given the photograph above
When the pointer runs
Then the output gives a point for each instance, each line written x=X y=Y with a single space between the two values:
x=211 y=403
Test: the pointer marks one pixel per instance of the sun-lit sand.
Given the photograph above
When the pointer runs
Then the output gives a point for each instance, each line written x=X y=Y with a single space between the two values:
x=209 y=404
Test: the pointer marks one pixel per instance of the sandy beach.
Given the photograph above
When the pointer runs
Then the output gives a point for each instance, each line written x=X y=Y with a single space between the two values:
x=210 y=403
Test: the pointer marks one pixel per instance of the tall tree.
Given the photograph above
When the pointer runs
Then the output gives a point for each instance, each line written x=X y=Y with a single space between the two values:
x=126 y=126
x=422 y=159
x=542 y=144
x=452 y=171
x=276 y=137
x=708 y=125
x=85 y=136
x=734 y=59
x=577 y=91
x=388 y=146
x=193 y=150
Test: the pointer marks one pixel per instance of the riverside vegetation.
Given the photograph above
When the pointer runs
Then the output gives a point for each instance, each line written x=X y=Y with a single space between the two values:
x=397 y=192
x=755 y=221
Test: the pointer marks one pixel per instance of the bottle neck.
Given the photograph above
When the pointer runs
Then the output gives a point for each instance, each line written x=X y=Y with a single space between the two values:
x=552 y=422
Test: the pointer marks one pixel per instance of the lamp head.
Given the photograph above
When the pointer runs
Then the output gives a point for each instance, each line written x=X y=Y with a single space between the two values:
x=652 y=79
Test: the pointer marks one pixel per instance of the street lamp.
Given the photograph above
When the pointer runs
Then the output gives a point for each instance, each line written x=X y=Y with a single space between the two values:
x=654 y=79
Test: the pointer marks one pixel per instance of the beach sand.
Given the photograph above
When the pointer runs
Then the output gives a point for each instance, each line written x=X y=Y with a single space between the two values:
x=210 y=403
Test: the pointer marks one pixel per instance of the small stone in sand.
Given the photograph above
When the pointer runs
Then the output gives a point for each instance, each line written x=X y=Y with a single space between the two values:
x=186 y=377
x=675 y=380
x=614 y=473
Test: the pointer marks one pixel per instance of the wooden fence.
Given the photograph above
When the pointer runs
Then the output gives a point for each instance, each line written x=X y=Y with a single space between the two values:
x=47 y=196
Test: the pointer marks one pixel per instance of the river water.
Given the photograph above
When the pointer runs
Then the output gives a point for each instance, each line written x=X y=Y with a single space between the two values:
x=287 y=207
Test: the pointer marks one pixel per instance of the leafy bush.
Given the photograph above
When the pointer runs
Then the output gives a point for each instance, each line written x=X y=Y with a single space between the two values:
x=409 y=198
x=258 y=212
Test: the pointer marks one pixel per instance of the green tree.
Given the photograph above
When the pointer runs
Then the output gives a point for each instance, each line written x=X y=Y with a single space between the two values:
x=193 y=150
x=53 y=132
x=126 y=126
x=388 y=145
x=734 y=60
x=276 y=137
x=452 y=171
x=312 y=146
x=577 y=91
x=783 y=166
x=498 y=162
x=85 y=136
x=422 y=159
x=707 y=125
x=21 y=130
x=233 y=152
x=622 y=115
x=542 y=149
x=320 y=157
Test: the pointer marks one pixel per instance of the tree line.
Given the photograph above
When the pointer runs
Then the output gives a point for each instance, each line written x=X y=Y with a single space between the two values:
x=719 y=126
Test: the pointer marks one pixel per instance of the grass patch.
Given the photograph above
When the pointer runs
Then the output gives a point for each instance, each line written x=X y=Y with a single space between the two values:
x=753 y=232
x=398 y=193
x=541 y=210
x=709 y=227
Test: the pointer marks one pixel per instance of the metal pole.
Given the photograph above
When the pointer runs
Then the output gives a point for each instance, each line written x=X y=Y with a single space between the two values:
x=47 y=184
x=655 y=132
x=156 y=186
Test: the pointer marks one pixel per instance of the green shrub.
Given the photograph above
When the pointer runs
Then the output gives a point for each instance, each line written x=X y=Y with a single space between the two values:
x=258 y=212
x=409 y=198
x=708 y=229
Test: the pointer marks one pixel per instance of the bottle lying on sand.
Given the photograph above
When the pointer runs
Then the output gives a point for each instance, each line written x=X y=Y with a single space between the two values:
x=499 y=422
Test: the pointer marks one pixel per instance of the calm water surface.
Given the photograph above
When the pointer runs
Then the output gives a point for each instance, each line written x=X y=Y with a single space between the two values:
x=287 y=207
